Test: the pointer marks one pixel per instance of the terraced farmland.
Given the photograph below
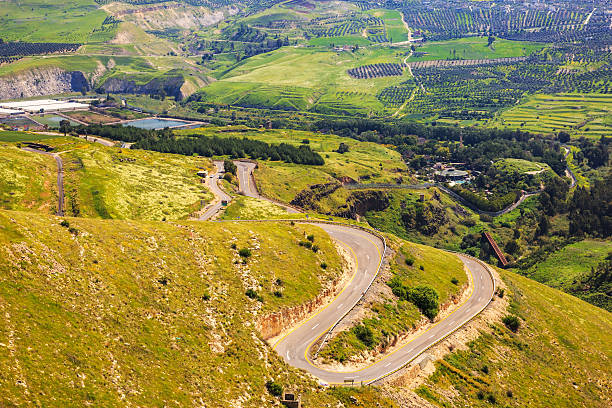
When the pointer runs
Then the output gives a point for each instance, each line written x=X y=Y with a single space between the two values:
x=578 y=114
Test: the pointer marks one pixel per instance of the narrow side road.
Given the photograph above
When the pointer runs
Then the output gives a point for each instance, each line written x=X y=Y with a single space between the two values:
x=248 y=187
x=220 y=195
x=60 y=177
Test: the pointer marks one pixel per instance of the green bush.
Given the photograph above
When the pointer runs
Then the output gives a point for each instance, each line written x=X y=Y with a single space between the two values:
x=455 y=281
x=251 y=293
x=512 y=322
x=409 y=261
x=364 y=334
x=230 y=167
x=244 y=252
x=424 y=297
x=310 y=238
x=323 y=265
x=274 y=388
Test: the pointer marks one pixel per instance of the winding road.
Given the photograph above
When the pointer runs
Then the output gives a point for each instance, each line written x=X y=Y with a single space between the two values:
x=296 y=346
x=220 y=195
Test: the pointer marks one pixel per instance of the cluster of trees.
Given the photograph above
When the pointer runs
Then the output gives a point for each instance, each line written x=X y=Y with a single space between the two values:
x=164 y=141
x=396 y=95
x=424 y=297
x=11 y=49
x=492 y=204
x=440 y=22
x=590 y=210
x=377 y=70
x=423 y=217
x=231 y=146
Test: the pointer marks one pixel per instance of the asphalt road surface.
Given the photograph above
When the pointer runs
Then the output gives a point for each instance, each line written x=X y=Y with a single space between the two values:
x=295 y=347
x=60 y=177
x=216 y=190
x=247 y=185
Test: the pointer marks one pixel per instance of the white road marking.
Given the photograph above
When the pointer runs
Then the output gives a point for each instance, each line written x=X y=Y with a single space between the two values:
x=315 y=326
x=288 y=358
x=340 y=305
x=388 y=364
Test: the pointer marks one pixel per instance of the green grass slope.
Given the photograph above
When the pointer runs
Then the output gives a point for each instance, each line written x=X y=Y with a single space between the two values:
x=28 y=181
x=560 y=356
x=109 y=313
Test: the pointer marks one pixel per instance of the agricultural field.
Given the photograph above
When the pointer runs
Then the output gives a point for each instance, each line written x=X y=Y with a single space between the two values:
x=103 y=182
x=172 y=289
x=305 y=79
x=473 y=48
x=91 y=117
x=395 y=30
x=559 y=356
x=577 y=114
x=28 y=181
x=364 y=162
x=53 y=21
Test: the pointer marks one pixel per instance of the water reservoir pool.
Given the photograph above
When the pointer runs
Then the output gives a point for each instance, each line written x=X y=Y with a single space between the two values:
x=155 y=123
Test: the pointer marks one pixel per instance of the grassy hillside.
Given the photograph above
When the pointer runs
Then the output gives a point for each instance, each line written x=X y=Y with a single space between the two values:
x=365 y=162
x=305 y=79
x=28 y=181
x=112 y=312
x=559 y=357
x=413 y=265
x=560 y=269
x=105 y=182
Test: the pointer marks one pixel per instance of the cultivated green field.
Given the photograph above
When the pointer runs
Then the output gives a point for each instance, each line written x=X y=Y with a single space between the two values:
x=578 y=114
x=394 y=26
x=560 y=356
x=311 y=79
x=78 y=21
x=475 y=48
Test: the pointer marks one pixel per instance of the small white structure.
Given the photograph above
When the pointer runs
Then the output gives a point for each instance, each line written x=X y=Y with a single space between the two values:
x=9 y=112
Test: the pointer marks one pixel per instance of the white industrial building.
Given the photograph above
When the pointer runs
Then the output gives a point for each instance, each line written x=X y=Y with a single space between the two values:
x=43 y=105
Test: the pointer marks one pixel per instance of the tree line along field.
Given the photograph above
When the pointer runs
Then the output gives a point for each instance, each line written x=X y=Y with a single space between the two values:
x=578 y=114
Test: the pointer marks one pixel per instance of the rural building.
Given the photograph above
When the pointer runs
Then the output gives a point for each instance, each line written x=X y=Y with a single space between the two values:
x=451 y=174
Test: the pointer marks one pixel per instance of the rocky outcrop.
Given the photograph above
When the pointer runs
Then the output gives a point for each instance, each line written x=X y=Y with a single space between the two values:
x=308 y=197
x=170 y=85
x=360 y=202
x=42 y=81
